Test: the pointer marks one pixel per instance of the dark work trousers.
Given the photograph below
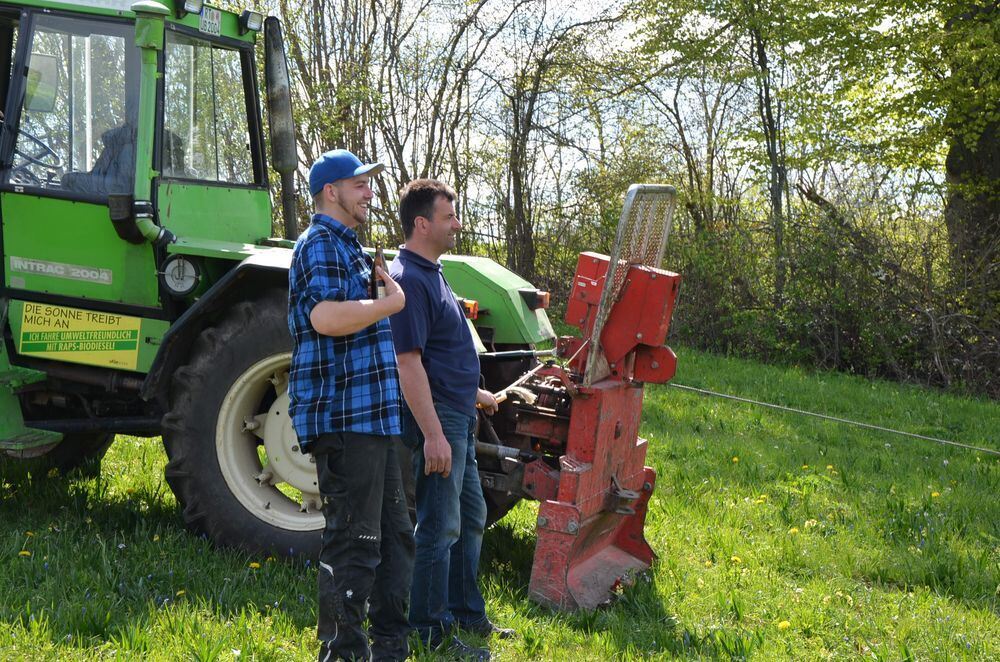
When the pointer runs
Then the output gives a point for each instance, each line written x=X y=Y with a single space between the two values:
x=367 y=553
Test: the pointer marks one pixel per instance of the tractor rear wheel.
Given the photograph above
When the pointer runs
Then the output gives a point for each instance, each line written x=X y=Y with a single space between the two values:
x=234 y=460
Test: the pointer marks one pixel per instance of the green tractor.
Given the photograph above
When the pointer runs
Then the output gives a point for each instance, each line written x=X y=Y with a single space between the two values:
x=141 y=292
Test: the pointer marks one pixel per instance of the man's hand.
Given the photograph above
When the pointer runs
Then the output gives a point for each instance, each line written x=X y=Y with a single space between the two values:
x=437 y=456
x=393 y=292
x=486 y=401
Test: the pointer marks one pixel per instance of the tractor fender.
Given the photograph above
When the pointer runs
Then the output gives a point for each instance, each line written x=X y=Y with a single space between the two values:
x=256 y=273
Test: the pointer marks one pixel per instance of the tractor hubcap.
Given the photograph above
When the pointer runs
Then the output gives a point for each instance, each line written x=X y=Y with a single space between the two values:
x=259 y=452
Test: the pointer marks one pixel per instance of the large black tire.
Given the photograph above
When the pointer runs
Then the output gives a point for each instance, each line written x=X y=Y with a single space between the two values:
x=81 y=452
x=238 y=372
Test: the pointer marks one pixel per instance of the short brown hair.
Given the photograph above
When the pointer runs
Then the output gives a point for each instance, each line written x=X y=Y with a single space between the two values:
x=417 y=199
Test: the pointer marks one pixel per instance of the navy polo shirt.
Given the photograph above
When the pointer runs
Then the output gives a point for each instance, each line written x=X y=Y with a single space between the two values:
x=433 y=322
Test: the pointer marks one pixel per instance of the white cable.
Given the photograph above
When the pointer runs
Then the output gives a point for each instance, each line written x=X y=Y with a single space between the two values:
x=702 y=391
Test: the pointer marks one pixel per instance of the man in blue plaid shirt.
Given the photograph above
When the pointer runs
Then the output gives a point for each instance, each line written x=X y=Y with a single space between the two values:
x=345 y=407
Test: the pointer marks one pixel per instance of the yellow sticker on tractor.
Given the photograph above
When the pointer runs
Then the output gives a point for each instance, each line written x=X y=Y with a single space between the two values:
x=79 y=336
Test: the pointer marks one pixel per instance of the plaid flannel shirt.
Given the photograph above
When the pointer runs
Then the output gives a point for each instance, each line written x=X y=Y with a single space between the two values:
x=343 y=383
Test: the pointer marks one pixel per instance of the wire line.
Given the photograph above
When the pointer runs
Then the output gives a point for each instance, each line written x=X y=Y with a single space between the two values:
x=835 y=419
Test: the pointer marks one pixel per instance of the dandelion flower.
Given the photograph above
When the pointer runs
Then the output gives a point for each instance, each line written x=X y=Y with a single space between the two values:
x=254 y=565
x=793 y=531
x=156 y=537
x=804 y=467
x=180 y=593
x=829 y=467
x=935 y=495
x=269 y=559
x=735 y=559
x=25 y=553
x=30 y=534
x=708 y=563
x=735 y=459
x=784 y=625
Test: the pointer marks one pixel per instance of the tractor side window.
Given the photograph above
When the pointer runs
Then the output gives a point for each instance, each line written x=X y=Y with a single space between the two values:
x=76 y=130
x=206 y=130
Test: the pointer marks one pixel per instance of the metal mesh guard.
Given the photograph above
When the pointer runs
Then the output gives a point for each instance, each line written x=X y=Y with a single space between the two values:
x=641 y=239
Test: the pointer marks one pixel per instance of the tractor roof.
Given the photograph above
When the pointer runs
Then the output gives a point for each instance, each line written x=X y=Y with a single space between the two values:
x=228 y=25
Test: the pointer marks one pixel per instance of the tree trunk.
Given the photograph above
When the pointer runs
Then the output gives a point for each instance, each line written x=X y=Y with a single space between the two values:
x=972 y=216
x=770 y=117
x=972 y=167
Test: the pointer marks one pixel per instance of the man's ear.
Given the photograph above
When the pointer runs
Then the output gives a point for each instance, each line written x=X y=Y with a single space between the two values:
x=330 y=193
x=420 y=224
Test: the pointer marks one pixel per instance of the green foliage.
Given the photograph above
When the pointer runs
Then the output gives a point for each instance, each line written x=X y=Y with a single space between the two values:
x=877 y=262
x=872 y=81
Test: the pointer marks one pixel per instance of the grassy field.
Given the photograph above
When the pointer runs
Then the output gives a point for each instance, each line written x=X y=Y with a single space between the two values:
x=778 y=537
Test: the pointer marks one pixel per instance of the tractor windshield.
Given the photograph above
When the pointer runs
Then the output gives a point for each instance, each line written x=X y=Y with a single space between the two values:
x=76 y=129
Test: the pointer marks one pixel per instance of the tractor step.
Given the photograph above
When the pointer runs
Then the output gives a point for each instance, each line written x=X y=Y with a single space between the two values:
x=29 y=438
x=14 y=377
x=14 y=435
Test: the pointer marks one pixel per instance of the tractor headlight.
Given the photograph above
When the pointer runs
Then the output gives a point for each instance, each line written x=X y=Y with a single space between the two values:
x=251 y=21
x=180 y=275
x=189 y=7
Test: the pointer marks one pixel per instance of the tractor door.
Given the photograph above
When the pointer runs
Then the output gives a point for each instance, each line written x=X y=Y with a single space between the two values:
x=212 y=183
x=68 y=141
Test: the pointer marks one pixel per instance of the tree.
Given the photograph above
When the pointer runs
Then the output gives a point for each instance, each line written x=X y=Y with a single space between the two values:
x=972 y=125
x=543 y=51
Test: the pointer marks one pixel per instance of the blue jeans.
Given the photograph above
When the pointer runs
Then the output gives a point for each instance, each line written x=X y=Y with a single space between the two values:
x=451 y=517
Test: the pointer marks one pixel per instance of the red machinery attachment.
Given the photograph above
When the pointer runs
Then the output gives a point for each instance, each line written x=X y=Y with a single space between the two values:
x=577 y=434
x=590 y=531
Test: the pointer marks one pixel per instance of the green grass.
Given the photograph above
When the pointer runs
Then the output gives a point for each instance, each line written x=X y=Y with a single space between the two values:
x=865 y=544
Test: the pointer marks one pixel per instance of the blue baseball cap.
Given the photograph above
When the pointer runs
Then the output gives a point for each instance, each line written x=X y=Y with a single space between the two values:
x=338 y=164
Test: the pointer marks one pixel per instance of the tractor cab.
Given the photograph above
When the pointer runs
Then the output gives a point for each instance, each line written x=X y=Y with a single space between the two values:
x=113 y=109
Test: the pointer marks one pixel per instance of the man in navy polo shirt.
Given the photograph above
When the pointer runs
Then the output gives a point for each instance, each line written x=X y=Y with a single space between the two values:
x=439 y=374
x=344 y=399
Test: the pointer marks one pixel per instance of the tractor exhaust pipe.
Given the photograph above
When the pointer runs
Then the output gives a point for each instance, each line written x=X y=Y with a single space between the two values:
x=284 y=156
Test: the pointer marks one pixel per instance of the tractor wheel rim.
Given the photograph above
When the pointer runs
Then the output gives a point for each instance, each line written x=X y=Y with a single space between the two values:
x=240 y=428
